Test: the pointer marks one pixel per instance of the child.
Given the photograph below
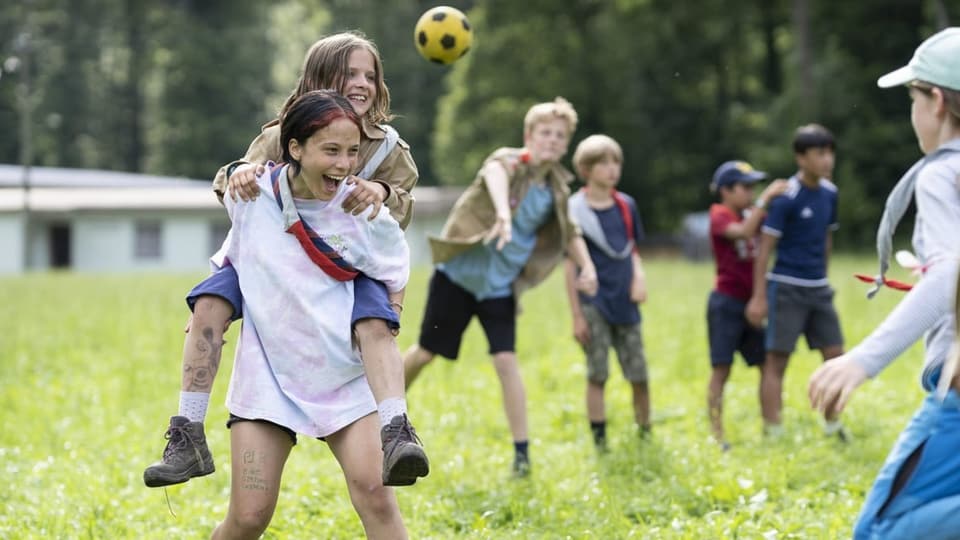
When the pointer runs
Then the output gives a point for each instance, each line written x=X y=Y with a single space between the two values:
x=505 y=234
x=917 y=492
x=611 y=228
x=295 y=371
x=799 y=226
x=734 y=223
x=350 y=63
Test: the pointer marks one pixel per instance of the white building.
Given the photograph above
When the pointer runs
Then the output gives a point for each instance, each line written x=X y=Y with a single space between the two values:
x=105 y=221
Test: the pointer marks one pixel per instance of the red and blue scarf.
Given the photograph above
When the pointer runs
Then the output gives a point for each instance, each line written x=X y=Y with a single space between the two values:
x=320 y=252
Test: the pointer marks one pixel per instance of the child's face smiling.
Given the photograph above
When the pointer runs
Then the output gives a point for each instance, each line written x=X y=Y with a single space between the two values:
x=329 y=155
x=547 y=141
x=360 y=85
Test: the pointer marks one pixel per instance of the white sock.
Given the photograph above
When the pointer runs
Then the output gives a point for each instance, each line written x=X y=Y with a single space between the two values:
x=193 y=405
x=389 y=408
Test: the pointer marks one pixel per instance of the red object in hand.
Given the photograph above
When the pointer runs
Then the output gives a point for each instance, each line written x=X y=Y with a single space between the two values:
x=892 y=283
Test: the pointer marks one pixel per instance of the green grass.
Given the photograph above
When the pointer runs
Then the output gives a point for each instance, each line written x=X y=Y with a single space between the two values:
x=90 y=374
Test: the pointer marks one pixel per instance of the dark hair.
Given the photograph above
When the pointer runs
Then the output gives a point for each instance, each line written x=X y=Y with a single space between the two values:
x=327 y=65
x=310 y=113
x=812 y=136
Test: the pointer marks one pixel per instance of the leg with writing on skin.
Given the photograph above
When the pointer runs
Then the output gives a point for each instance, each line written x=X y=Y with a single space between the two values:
x=259 y=452
x=357 y=448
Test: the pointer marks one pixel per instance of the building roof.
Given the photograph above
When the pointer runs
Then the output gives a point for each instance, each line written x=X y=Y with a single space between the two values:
x=55 y=189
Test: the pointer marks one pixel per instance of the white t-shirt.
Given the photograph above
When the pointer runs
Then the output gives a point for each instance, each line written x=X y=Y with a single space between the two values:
x=295 y=364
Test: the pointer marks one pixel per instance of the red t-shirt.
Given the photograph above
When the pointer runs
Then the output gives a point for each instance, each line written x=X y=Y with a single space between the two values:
x=734 y=257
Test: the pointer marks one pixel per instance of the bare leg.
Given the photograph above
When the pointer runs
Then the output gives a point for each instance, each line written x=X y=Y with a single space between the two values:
x=514 y=395
x=641 y=404
x=414 y=360
x=718 y=379
x=258 y=454
x=596 y=409
x=204 y=342
x=381 y=359
x=357 y=448
x=771 y=387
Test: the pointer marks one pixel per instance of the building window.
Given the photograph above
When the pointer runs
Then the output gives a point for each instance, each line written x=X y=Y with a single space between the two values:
x=149 y=240
x=218 y=232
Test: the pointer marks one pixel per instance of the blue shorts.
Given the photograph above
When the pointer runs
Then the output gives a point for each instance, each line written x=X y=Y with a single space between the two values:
x=917 y=492
x=730 y=332
x=370 y=298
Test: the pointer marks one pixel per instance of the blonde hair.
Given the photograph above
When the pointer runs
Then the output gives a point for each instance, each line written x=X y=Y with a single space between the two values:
x=542 y=112
x=327 y=65
x=592 y=150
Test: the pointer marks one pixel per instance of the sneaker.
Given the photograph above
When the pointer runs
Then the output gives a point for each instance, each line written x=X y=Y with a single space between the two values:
x=403 y=457
x=186 y=455
x=521 y=466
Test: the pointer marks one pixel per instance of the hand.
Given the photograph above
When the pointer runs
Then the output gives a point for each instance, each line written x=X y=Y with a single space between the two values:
x=832 y=383
x=774 y=189
x=243 y=182
x=756 y=311
x=366 y=193
x=638 y=290
x=501 y=231
x=581 y=330
x=587 y=280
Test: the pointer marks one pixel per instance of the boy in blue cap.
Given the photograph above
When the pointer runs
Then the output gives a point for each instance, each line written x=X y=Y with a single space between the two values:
x=734 y=223
x=917 y=492
x=798 y=226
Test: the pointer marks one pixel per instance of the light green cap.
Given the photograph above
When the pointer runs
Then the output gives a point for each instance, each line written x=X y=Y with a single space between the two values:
x=936 y=61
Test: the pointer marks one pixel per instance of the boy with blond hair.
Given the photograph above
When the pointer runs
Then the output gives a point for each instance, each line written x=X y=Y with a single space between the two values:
x=505 y=234
x=611 y=318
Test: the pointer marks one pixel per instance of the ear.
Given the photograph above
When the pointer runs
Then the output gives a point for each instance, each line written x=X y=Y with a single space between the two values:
x=939 y=102
x=295 y=149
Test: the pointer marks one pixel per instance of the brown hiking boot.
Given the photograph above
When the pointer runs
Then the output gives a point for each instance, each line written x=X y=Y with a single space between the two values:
x=403 y=457
x=185 y=456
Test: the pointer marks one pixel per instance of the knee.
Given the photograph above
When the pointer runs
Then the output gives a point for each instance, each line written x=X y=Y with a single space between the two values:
x=372 y=332
x=250 y=522
x=211 y=311
x=373 y=500
x=418 y=356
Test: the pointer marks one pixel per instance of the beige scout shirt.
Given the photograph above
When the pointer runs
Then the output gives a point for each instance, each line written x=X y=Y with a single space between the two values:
x=398 y=172
x=473 y=217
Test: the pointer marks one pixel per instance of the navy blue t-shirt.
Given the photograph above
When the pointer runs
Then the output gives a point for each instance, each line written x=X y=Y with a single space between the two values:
x=801 y=219
x=614 y=275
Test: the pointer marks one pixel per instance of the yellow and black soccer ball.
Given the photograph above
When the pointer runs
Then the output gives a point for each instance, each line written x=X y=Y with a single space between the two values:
x=443 y=35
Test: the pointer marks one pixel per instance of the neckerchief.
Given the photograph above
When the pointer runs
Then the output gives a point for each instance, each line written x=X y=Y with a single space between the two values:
x=896 y=205
x=590 y=224
x=319 y=251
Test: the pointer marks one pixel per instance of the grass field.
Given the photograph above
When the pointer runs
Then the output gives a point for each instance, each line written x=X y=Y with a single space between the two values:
x=90 y=375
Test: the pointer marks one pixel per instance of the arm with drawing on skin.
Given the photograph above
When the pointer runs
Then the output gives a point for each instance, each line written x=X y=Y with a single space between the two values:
x=581 y=331
x=757 y=307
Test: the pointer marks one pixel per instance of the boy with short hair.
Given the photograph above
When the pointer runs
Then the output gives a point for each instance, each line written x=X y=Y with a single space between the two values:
x=796 y=293
x=505 y=234
x=734 y=224
x=611 y=228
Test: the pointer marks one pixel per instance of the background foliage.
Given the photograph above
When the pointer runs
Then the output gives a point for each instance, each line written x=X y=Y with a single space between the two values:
x=181 y=86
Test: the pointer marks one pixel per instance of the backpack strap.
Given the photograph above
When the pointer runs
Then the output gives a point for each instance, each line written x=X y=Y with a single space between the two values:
x=389 y=143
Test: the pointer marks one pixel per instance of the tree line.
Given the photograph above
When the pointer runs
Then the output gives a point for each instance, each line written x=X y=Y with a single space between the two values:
x=179 y=87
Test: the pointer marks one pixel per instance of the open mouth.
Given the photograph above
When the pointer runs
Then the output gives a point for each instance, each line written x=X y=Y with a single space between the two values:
x=357 y=98
x=331 y=183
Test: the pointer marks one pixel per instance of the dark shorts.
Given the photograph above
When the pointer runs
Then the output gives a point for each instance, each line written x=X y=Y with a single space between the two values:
x=234 y=419
x=370 y=298
x=730 y=332
x=449 y=310
x=794 y=310
x=625 y=339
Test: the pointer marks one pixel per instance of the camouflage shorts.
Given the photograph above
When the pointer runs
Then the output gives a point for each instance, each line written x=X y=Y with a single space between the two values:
x=626 y=340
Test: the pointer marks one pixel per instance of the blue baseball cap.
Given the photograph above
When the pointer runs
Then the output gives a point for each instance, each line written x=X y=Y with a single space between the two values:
x=735 y=172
